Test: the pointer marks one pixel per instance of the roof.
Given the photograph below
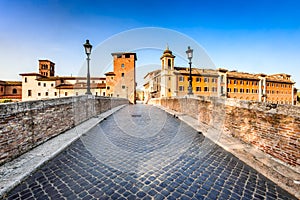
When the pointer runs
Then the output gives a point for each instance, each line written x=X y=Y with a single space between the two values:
x=16 y=83
x=196 y=71
x=155 y=72
x=124 y=53
x=110 y=74
x=32 y=74
x=11 y=83
x=81 y=86
x=46 y=60
x=242 y=75
x=167 y=53
x=54 y=78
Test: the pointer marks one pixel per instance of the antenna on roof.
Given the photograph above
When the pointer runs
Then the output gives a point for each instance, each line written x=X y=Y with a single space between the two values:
x=167 y=47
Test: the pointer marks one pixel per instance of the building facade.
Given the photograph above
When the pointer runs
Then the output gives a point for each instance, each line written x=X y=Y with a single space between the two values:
x=122 y=81
x=11 y=90
x=45 y=85
x=174 y=81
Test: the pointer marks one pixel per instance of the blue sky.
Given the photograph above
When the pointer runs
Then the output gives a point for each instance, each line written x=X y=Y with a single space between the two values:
x=252 y=36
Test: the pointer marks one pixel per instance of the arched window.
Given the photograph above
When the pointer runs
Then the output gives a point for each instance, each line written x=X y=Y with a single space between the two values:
x=169 y=63
x=14 y=91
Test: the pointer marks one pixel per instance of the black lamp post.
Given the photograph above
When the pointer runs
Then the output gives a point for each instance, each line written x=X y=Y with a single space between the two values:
x=88 y=50
x=189 y=54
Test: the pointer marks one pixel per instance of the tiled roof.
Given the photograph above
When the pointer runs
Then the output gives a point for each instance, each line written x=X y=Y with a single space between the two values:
x=32 y=74
x=54 y=78
x=110 y=74
x=242 y=75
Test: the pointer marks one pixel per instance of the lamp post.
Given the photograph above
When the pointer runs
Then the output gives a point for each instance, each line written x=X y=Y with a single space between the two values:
x=189 y=54
x=88 y=50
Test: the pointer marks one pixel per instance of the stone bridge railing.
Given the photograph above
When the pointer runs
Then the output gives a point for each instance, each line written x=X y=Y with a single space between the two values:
x=274 y=129
x=25 y=125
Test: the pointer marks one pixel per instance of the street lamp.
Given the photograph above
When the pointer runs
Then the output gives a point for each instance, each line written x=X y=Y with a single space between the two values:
x=189 y=54
x=88 y=50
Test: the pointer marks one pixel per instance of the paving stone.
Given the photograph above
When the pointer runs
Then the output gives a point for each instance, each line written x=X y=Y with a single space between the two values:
x=155 y=156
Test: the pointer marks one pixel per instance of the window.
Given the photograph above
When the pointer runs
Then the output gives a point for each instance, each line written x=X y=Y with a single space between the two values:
x=169 y=90
x=222 y=78
x=242 y=82
x=222 y=89
x=235 y=90
x=214 y=89
x=213 y=80
x=55 y=93
x=76 y=93
x=241 y=90
x=66 y=94
x=46 y=94
x=198 y=79
x=39 y=94
x=111 y=78
x=198 y=89
x=247 y=90
x=1 y=89
x=247 y=82
x=29 y=93
x=122 y=75
x=127 y=55
x=122 y=65
x=206 y=80
x=228 y=89
x=181 y=78
x=169 y=78
x=25 y=79
x=181 y=88
x=108 y=88
x=123 y=86
x=235 y=82
x=44 y=84
x=14 y=91
x=169 y=63
x=52 y=84
x=39 y=83
x=206 y=89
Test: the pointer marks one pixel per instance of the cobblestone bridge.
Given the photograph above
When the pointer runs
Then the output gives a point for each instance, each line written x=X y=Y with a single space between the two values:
x=141 y=152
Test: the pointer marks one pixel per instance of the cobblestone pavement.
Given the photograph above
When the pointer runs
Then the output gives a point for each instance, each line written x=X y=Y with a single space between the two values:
x=141 y=152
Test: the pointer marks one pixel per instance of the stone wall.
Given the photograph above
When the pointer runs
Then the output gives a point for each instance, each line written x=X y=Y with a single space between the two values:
x=25 y=125
x=272 y=128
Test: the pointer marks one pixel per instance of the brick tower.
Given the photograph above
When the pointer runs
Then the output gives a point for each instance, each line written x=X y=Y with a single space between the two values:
x=46 y=68
x=124 y=76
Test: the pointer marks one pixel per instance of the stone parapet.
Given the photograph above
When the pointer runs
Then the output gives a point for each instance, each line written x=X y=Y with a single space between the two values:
x=25 y=125
x=271 y=128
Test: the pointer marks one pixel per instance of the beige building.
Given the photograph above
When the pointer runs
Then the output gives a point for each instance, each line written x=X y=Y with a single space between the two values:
x=172 y=81
x=119 y=83
x=45 y=85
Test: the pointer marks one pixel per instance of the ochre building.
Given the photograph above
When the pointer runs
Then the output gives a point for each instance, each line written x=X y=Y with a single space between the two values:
x=174 y=81
x=44 y=84
x=11 y=90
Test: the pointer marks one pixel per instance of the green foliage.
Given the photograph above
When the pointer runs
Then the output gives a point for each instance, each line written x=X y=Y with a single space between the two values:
x=5 y=100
